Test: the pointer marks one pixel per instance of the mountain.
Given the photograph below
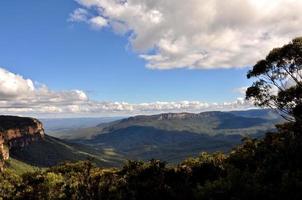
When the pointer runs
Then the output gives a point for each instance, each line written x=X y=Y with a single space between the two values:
x=22 y=140
x=175 y=136
x=211 y=123
x=18 y=132
x=169 y=136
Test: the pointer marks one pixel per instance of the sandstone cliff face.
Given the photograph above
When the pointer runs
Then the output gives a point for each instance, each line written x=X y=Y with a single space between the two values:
x=17 y=132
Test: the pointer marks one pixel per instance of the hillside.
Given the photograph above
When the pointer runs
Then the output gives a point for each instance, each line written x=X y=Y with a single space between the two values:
x=24 y=144
x=247 y=122
x=175 y=136
x=171 y=137
x=211 y=123
x=144 y=143
x=268 y=168
x=52 y=151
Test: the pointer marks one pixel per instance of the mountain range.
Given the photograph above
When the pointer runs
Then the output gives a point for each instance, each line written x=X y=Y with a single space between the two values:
x=174 y=136
x=171 y=137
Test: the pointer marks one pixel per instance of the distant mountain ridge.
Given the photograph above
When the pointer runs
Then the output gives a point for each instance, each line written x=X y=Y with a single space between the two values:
x=254 y=113
x=211 y=123
x=174 y=136
x=163 y=116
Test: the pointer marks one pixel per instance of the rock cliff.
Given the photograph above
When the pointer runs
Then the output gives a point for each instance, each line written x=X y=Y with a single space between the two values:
x=17 y=132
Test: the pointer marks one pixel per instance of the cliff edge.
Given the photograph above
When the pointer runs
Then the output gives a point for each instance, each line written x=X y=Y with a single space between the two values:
x=18 y=132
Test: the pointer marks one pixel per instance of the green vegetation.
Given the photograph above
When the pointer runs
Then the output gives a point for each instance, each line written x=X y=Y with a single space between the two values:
x=145 y=143
x=18 y=167
x=279 y=78
x=270 y=168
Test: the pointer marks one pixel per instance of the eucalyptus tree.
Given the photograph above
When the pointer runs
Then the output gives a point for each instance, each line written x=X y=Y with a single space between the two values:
x=278 y=80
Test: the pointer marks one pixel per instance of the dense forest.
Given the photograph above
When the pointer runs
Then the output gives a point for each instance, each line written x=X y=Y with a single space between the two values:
x=267 y=168
x=270 y=168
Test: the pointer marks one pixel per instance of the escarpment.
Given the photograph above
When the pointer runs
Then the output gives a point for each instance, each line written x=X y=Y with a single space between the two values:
x=17 y=132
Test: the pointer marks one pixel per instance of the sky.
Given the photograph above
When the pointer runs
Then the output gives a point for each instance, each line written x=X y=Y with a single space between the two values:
x=77 y=58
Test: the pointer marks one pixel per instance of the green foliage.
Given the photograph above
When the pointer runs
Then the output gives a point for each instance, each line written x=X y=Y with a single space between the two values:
x=279 y=79
x=270 y=168
x=9 y=184
x=19 y=167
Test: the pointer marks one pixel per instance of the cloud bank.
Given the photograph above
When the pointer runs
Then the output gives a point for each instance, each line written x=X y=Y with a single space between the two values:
x=21 y=96
x=203 y=34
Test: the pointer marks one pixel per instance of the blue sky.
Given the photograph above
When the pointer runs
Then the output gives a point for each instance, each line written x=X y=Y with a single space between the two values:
x=40 y=42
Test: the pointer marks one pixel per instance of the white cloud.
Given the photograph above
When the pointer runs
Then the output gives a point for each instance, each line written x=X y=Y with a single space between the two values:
x=20 y=96
x=98 y=22
x=79 y=15
x=13 y=85
x=82 y=15
x=202 y=34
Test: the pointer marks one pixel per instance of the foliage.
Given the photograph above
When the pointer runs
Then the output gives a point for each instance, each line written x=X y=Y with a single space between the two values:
x=279 y=79
x=19 y=167
x=270 y=168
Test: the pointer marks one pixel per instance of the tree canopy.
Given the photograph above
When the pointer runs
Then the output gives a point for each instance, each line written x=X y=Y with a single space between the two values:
x=278 y=82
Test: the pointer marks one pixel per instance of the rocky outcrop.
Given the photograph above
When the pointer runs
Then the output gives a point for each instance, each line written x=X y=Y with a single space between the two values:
x=178 y=116
x=174 y=116
x=161 y=117
x=4 y=154
x=17 y=132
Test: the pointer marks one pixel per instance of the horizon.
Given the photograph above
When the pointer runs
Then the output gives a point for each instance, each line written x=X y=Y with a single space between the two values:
x=100 y=58
x=128 y=116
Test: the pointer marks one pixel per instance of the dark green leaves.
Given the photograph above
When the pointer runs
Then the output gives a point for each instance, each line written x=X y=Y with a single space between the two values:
x=278 y=79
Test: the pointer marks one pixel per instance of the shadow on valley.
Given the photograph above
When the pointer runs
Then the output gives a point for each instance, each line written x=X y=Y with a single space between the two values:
x=52 y=151
x=145 y=143
x=240 y=122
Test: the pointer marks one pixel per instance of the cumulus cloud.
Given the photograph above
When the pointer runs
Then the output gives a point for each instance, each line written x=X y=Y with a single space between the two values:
x=20 y=96
x=202 y=34
x=13 y=85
